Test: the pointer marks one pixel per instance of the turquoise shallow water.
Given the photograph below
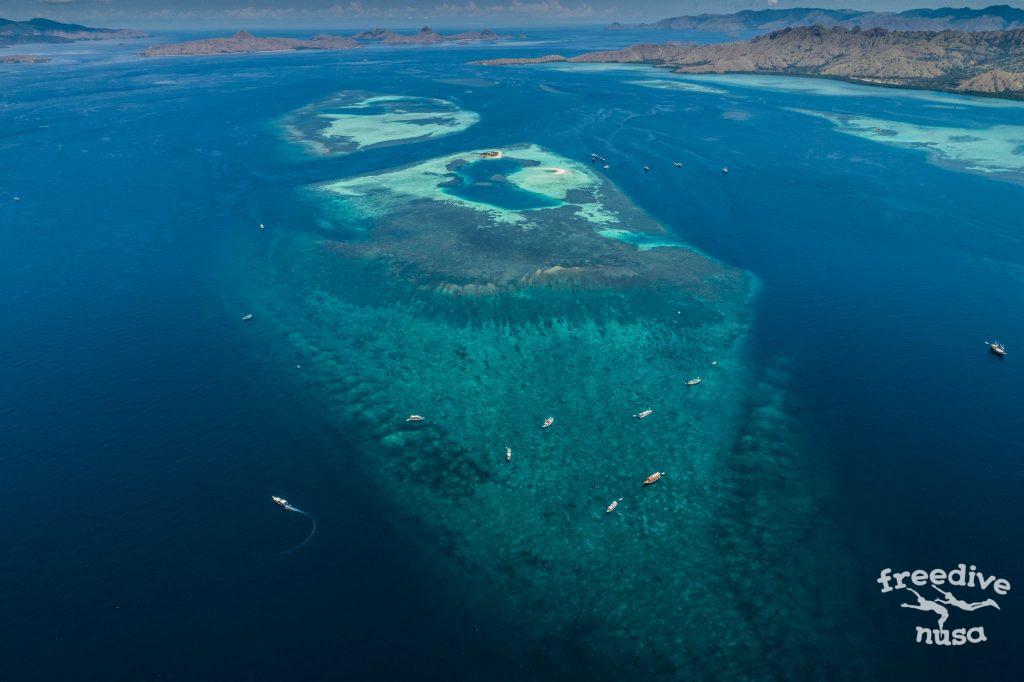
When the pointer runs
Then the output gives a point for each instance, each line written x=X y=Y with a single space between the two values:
x=841 y=279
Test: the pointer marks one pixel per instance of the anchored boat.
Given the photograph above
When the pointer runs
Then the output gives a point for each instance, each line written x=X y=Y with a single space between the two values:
x=694 y=381
x=997 y=348
x=247 y=316
x=612 y=506
x=646 y=413
x=508 y=454
x=654 y=478
x=415 y=418
x=547 y=422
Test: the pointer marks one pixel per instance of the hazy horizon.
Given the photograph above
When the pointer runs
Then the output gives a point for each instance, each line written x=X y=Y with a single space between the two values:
x=324 y=14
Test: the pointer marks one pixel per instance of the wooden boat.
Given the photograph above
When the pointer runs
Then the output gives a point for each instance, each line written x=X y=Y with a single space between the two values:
x=694 y=381
x=547 y=422
x=654 y=478
x=415 y=418
x=646 y=413
x=612 y=506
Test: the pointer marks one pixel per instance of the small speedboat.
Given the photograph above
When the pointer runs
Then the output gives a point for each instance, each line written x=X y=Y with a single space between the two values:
x=654 y=478
x=547 y=422
x=612 y=506
x=725 y=170
x=677 y=164
x=246 y=317
x=279 y=501
x=508 y=454
x=646 y=413
x=415 y=418
x=647 y=169
x=714 y=363
x=694 y=381
x=606 y=166
x=261 y=226
x=17 y=198
x=997 y=348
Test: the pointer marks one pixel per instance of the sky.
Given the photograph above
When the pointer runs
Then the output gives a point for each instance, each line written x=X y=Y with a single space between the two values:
x=171 y=14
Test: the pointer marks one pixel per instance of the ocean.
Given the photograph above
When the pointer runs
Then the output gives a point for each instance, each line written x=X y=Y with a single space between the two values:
x=834 y=292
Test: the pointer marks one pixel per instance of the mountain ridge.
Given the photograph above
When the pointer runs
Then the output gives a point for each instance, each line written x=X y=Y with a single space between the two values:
x=978 y=62
x=41 y=30
x=991 y=18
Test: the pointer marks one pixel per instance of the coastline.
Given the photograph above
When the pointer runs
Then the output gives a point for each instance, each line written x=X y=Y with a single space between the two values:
x=1016 y=96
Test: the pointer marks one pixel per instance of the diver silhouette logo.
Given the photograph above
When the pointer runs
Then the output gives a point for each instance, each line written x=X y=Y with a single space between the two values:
x=960 y=576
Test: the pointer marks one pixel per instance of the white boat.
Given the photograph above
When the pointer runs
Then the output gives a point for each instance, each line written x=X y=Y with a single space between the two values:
x=261 y=226
x=694 y=381
x=547 y=422
x=714 y=363
x=246 y=317
x=997 y=348
x=654 y=478
x=415 y=418
x=647 y=169
x=725 y=170
x=280 y=501
x=677 y=164
x=646 y=413
x=508 y=454
x=612 y=506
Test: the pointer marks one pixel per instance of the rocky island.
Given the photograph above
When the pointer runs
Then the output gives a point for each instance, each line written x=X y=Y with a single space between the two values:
x=983 y=62
x=23 y=59
x=243 y=42
x=427 y=36
x=994 y=18
x=48 y=31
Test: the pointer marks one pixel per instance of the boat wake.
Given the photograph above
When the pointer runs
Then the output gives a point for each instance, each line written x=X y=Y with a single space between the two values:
x=284 y=504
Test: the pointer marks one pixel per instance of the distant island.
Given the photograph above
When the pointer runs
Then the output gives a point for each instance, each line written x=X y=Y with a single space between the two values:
x=984 y=62
x=427 y=36
x=47 y=31
x=23 y=59
x=243 y=42
x=994 y=18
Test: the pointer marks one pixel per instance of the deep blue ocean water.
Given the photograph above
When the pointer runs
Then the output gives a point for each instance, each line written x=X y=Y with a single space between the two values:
x=145 y=426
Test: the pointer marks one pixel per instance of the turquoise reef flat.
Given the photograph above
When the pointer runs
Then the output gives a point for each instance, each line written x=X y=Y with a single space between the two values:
x=353 y=121
x=492 y=220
